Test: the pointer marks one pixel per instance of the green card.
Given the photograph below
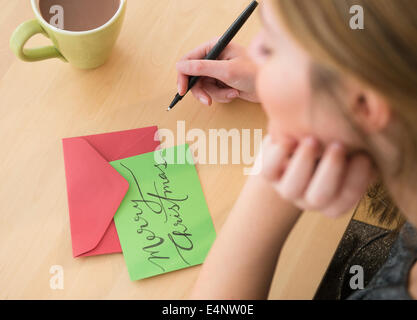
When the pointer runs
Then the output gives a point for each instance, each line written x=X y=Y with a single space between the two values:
x=163 y=222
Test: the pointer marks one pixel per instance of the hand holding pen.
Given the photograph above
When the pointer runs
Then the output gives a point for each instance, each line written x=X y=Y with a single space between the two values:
x=217 y=76
x=231 y=76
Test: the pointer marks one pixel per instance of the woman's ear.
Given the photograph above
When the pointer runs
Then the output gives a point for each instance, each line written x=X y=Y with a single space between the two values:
x=371 y=111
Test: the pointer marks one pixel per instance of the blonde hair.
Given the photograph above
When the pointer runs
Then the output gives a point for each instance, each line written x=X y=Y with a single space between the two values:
x=383 y=55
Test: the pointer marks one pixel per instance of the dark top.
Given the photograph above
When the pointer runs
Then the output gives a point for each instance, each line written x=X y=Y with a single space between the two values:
x=391 y=281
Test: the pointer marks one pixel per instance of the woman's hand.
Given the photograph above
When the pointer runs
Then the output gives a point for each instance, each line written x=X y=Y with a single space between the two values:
x=329 y=181
x=231 y=76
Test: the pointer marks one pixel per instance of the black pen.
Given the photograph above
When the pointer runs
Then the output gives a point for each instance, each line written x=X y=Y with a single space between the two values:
x=220 y=46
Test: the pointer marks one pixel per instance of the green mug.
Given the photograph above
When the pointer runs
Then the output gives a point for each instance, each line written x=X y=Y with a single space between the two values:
x=82 y=49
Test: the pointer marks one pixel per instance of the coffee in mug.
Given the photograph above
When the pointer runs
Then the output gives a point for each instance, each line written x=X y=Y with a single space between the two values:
x=78 y=15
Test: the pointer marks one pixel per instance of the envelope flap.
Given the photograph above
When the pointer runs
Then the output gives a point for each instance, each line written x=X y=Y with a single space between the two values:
x=95 y=191
x=124 y=144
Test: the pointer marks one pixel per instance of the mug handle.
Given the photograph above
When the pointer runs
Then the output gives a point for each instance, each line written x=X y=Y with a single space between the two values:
x=22 y=34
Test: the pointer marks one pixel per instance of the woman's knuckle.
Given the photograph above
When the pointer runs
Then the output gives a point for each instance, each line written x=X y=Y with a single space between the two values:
x=287 y=193
x=229 y=72
x=316 y=201
x=198 y=66
x=331 y=212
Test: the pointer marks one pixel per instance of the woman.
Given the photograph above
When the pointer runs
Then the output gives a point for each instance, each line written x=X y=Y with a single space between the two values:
x=342 y=113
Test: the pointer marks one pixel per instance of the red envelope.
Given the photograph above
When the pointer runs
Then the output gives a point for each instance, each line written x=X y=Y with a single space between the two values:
x=95 y=189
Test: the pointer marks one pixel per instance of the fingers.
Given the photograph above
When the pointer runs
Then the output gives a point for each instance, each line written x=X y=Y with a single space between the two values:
x=200 y=94
x=218 y=94
x=359 y=175
x=275 y=157
x=327 y=178
x=331 y=183
x=182 y=82
x=196 y=54
x=300 y=170
x=207 y=90
x=223 y=69
x=217 y=69
x=204 y=68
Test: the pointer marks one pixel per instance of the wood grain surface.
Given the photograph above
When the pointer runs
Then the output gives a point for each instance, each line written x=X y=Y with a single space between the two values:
x=43 y=102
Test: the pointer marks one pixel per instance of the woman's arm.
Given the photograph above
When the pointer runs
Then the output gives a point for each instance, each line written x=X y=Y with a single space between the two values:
x=242 y=261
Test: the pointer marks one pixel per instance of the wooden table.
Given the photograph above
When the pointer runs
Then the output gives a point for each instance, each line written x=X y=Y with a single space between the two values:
x=43 y=102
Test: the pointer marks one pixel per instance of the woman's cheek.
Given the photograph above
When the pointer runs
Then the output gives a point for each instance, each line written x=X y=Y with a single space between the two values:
x=285 y=97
